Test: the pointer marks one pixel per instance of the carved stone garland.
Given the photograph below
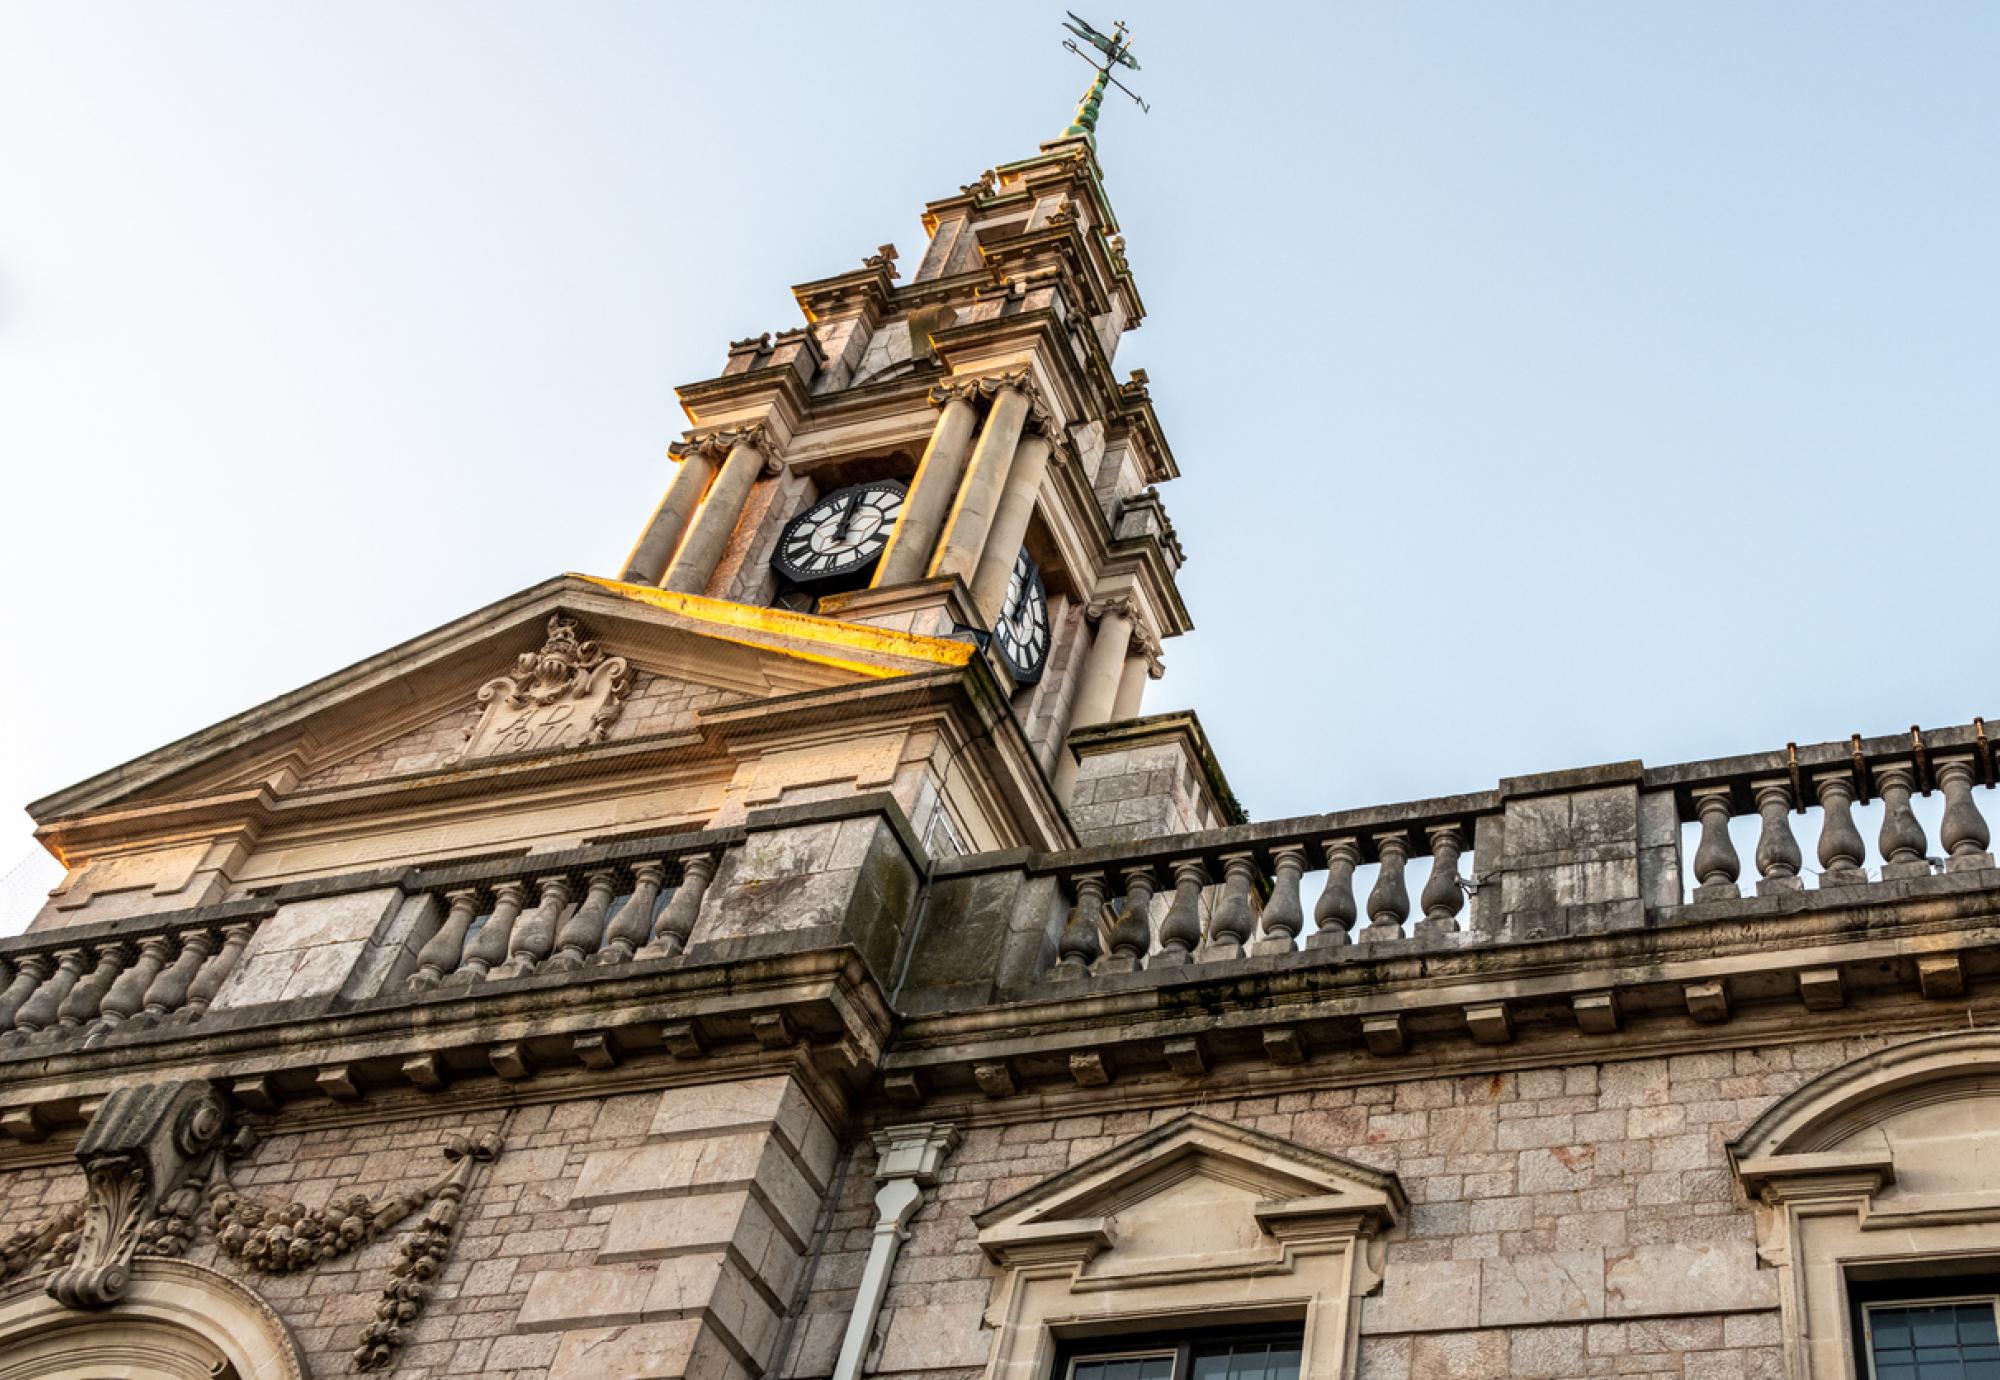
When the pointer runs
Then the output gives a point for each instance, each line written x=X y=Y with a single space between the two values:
x=154 y=1153
x=423 y=1254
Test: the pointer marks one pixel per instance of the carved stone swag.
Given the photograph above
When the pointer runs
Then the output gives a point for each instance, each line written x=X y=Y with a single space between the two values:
x=155 y=1155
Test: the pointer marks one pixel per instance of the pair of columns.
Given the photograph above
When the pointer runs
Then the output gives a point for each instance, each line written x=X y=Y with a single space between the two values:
x=968 y=508
x=1123 y=655
x=689 y=531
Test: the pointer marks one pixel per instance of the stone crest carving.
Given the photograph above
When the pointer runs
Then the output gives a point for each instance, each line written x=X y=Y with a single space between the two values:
x=567 y=695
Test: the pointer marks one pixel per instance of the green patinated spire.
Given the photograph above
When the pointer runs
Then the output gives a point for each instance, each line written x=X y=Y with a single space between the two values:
x=1085 y=122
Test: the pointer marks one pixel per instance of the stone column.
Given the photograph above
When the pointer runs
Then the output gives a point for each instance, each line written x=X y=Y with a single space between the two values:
x=978 y=497
x=715 y=521
x=648 y=561
x=1142 y=665
x=907 y=1164
x=1010 y=527
x=908 y=554
x=1097 y=687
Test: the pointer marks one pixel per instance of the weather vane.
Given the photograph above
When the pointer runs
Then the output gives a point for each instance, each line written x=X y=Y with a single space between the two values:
x=1116 y=48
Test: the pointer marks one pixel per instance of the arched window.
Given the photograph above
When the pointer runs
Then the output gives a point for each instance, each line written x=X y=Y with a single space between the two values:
x=176 y=1322
x=1877 y=1190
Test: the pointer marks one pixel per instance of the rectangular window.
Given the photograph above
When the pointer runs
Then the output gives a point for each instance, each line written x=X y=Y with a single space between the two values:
x=1263 y=1354
x=1932 y=1339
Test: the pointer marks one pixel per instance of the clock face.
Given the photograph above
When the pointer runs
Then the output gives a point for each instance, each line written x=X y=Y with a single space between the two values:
x=1022 y=634
x=841 y=534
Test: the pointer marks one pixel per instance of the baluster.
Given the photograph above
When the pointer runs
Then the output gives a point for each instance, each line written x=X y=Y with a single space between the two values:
x=39 y=1011
x=1132 y=933
x=1963 y=830
x=633 y=924
x=29 y=973
x=1778 y=855
x=1335 y=911
x=1284 y=914
x=1389 y=898
x=208 y=982
x=1442 y=898
x=128 y=993
x=87 y=997
x=1229 y=928
x=1902 y=839
x=1078 y=946
x=1180 y=931
x=167 y=991
x=440 y=952
x=534 y=936
x=1716 y=866
x=584 y=930
x=488 y=948
x=1841 y=850
x=676 y=923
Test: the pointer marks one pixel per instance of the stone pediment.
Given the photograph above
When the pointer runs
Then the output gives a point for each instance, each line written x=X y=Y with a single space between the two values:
x=1194 y=1193
x=569 y=664
x=1196 y=1222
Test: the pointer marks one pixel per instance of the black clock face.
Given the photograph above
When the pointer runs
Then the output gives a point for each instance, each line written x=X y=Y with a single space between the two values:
x=1022 y=634
x=841 y=534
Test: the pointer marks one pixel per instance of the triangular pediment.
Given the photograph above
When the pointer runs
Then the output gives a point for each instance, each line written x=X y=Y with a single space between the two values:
x=1191 y=1188
x=630 y=662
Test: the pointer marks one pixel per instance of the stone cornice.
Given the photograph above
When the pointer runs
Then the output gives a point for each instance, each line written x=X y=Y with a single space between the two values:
x=824 y=999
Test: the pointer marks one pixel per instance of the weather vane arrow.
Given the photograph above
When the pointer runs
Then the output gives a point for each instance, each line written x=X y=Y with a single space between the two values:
x=1112 y=50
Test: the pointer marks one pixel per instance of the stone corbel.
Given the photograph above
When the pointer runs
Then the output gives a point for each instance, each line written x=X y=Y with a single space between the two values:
x=140 y=1155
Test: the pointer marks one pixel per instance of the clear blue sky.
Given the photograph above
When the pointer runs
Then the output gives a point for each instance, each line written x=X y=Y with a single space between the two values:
x=1553 y=382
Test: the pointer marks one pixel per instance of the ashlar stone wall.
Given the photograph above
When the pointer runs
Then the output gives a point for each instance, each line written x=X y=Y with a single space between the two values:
x=1564 y=1222
x=645 y=1233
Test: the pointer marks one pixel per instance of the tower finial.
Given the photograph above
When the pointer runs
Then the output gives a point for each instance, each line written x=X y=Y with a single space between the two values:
x=1116 y=48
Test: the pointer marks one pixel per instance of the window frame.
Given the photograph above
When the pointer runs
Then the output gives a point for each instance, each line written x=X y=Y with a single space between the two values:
x=1864 y=1296
x=1178 y=1342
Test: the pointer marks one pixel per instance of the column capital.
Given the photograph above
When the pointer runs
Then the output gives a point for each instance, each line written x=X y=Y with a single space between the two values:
x=716 y=445
x=1118 y=606
x=973 y=388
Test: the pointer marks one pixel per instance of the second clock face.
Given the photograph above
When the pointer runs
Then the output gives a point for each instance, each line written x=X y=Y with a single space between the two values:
x=841 y=534
x=1022 y=634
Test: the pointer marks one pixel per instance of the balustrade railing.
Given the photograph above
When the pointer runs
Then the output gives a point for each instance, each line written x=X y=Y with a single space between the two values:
x=67 y=987
x=1829 y=781
x=1243 y=891
x=547 y=921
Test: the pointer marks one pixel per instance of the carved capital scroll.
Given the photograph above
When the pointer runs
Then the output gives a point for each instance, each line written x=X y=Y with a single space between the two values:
x=142 y=1149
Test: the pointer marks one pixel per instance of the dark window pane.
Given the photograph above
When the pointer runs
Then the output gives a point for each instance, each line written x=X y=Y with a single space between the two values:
x=1158 y=1368
x=1284 y=1363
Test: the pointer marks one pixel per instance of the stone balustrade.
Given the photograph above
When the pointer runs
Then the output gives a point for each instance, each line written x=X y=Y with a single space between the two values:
x=1540 y=857
x=1230 y=893
x=67 y=987
x=1822 y=786
x=563 y=919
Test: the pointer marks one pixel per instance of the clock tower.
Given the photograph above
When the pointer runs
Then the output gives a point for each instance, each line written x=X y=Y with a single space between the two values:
x=949 y=451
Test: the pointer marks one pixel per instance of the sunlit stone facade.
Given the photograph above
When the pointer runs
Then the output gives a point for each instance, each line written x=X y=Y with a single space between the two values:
x=801 y=955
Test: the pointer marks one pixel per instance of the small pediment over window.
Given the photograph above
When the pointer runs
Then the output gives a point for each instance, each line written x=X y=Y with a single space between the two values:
x=1193 y=1193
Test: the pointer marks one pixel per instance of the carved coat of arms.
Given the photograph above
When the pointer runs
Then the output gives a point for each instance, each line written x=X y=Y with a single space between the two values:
x=567 y=695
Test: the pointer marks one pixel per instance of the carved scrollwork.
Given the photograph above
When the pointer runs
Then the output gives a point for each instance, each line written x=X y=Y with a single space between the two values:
x=422 y=1256
x=143 y=1148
